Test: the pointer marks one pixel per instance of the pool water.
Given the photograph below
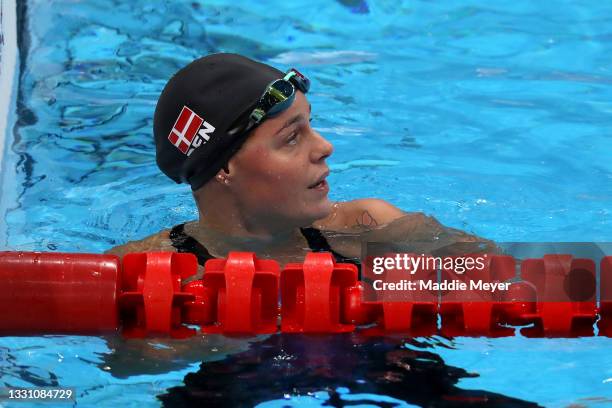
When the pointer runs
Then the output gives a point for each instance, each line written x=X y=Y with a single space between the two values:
x=494 y=118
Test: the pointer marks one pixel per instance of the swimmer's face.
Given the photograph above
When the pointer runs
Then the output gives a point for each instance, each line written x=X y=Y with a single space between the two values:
x=280 y=171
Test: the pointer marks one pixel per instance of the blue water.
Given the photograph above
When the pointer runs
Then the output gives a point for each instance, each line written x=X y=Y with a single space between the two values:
x=495 y=118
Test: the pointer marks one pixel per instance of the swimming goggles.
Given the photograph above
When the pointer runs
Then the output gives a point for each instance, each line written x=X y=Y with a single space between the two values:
x=277 y=97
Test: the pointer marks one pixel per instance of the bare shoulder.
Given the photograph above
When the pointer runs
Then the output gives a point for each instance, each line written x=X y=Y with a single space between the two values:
x=156 y=242
x=372 y=220
x=364 y=214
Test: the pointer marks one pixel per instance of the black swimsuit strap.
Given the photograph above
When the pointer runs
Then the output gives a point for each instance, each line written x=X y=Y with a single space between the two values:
x=185 y=243
x=316 y=241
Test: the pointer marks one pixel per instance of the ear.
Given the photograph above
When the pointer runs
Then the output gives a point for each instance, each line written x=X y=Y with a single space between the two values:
x=230 y=168
x=229 y=171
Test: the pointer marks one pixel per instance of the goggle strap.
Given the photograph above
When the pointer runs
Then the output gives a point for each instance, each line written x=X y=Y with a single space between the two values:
x=298 y=80
x=257 y=115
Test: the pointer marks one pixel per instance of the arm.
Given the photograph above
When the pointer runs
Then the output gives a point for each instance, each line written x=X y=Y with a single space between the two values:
x=417 y=232
x=157 y=242
x=360 y=215
x=373 y=220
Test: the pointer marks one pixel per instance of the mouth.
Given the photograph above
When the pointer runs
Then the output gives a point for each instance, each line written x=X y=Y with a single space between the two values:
x=321 y=183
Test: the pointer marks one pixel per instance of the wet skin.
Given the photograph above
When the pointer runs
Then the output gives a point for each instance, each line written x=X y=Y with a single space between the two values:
x=275 y=184
x=278 y=177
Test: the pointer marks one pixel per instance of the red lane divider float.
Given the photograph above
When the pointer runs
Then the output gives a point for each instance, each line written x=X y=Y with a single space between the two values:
x=237 y=295
x=58 y=293
x=605 y=293
x=414 y=312
x=566 y=296
x=478 y=313
x=147 y=295
x=152 y=300
x=312 y=295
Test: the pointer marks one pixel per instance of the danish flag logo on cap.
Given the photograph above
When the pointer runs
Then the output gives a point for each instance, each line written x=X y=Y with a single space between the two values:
x=190 y=131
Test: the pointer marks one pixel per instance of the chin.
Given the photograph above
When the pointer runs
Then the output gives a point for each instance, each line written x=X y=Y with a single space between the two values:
x=307 y=213
x=322 y=210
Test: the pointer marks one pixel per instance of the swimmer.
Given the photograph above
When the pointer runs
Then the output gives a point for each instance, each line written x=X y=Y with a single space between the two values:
x=239 y=133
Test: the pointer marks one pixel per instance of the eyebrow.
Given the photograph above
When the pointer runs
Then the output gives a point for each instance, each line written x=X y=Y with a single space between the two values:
x=293 y=120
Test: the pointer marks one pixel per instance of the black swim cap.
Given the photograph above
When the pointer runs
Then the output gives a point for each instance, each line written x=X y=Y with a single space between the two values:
x=197 y=108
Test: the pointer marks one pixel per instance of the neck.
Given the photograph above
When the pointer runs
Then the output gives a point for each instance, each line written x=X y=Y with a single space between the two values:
x=224 y=227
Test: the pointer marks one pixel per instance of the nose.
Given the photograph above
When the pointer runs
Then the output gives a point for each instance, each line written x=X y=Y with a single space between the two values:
x=322 y=148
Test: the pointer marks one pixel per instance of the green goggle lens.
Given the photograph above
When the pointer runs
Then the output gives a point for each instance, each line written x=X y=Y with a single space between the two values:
x=277 y=97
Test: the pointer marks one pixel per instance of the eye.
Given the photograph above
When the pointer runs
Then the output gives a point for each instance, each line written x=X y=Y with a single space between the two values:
x=292 y=138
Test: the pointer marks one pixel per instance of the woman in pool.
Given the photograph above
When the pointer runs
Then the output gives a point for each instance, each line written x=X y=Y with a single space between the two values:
x=239 y=133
